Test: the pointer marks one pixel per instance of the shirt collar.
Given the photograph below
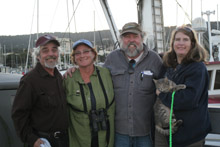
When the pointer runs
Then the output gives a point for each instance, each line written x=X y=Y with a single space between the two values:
x=80 y=80
x=138 y=58
x=43 y=72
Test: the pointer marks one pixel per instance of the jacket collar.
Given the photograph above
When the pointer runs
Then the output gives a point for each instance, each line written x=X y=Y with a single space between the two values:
x=43 y=72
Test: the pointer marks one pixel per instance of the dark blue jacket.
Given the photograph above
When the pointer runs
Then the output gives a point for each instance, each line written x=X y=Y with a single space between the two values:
x=190 y=104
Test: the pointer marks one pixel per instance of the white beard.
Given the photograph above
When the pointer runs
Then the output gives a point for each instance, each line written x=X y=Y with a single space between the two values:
x=51 y=64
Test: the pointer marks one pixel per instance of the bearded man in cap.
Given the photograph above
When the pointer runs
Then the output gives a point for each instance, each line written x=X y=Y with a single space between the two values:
x=133 y=67
x=39 y=109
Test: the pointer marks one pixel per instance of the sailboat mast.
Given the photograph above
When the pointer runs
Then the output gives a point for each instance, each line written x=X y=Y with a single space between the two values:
x=5 y=56
x=208 y=13
x=29 y=43
x=94 y=28
x=201 y=9
x=217 y=19
x=191 y=10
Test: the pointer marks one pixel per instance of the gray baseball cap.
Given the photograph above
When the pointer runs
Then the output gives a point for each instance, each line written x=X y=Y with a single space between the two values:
x=131 y=27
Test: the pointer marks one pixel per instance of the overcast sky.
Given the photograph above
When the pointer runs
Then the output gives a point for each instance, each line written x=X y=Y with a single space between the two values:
x=19 y=17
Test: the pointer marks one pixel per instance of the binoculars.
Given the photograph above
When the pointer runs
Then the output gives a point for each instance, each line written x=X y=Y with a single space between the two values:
x=98 y=119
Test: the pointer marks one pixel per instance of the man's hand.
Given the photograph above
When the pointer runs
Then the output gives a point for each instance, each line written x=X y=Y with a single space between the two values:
x=38 y=142
x=69 y=72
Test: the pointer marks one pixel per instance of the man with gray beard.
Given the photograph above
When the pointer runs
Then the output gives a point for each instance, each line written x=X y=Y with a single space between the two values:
x=39 y=109
x=132 y=68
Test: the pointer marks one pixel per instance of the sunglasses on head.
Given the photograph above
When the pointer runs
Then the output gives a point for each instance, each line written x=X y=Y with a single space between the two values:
x=184 y=28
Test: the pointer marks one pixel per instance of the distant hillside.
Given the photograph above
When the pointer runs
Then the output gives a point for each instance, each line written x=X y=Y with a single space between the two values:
x=19 y=43
x=15 y=47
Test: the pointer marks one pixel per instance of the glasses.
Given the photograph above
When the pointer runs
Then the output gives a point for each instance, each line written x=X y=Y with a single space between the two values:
x=84 y=52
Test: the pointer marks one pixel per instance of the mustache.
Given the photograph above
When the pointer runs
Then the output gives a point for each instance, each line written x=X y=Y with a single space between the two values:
x=51 y=57
x=132 y=43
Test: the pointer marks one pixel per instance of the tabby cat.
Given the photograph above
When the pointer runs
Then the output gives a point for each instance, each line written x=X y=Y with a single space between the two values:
x=162 y=112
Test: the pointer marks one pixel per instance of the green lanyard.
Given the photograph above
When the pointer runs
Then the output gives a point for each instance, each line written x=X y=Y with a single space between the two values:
x=171 y=112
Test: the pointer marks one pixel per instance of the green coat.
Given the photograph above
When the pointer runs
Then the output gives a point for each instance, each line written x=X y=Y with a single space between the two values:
x=79 y=129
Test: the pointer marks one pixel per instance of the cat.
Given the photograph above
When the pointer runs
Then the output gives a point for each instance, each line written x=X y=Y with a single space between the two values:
x=162 y=112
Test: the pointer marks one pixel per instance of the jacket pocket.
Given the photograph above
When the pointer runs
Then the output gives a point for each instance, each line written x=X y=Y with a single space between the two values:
x=47 y=99
x=146 y=83
x=118 y=78
x=74 y=100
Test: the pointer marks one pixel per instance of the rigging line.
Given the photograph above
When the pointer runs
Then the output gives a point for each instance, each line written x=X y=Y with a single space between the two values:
x=29 y=42
x=67 y=7
x=111 y=21
x=71 y=19
x=177 y=12
x=183 y=11
x=74 y=16
x=54 y=15
x=187 y=6
x=99 y=31
x=97 y=13
x=102 y=28
x=69 y=32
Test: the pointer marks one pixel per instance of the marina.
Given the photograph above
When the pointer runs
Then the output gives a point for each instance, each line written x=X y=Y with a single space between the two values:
x=155 y=39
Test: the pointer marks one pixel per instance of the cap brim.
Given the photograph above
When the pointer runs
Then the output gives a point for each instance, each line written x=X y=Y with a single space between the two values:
x=75 y=46
x=131 y=31
x=48 y=41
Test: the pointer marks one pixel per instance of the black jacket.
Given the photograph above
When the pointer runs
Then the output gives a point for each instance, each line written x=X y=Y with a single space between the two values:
x=39 y=105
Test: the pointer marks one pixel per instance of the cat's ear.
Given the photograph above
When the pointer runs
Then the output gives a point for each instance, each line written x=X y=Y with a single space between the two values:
x=155 y=81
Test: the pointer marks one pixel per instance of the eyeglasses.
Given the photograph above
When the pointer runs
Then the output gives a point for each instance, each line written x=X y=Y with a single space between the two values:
x=84 y=52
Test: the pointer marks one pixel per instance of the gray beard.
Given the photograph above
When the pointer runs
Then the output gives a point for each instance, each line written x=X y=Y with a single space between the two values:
x=51 y=65
x=133 y=53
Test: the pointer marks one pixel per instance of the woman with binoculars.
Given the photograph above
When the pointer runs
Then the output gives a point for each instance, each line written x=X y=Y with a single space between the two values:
x=90 y=98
